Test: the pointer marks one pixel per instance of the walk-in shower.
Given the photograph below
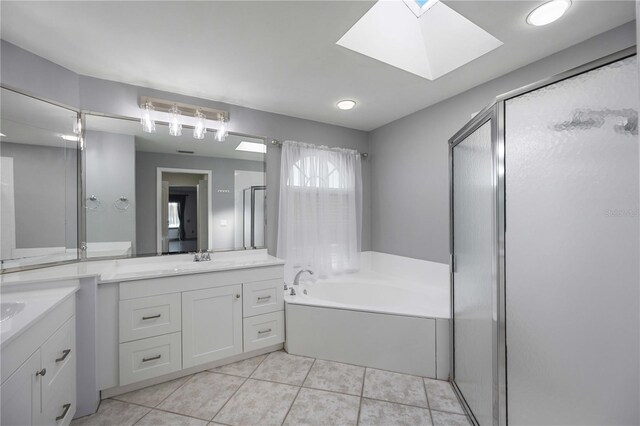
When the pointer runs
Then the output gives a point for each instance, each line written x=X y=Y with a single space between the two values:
x=544 y=251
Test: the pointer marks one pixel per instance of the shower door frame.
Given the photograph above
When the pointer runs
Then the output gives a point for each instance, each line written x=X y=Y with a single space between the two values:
x=495 y=113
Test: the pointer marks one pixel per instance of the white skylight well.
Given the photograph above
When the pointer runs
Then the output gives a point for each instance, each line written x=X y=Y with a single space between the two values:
x=430 y=43
x=251 y=147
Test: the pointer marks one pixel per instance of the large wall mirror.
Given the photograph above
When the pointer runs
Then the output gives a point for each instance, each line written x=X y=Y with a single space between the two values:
x=38 y=182
x=154 y=193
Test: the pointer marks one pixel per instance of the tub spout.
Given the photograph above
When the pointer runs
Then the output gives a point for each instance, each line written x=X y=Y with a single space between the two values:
x=296 y=280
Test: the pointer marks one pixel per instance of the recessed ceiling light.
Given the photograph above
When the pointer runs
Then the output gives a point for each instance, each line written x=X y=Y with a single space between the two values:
x=548 y=12
x=71 y=138
x=252 y=147
x=346 y=104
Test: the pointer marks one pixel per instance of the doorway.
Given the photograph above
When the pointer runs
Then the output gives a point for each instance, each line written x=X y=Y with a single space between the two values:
x=184 y=206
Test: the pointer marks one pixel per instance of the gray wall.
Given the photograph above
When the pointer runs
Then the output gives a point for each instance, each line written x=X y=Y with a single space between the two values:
x=122 y=99
x=37 y=76
x=45 y=194
x=110 y=174
x=25 y=71
x=223 y=202
x=409 y=157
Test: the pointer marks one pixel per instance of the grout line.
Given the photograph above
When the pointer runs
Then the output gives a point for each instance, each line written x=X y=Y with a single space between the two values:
x=450 y=412
x=426 y=393
x=364 y=377
x=145 y=415
x=239 y=387
x=176 y=390
x=298 y=393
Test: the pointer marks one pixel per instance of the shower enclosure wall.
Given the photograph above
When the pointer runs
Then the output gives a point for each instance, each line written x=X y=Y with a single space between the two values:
x=545 y=251
x=253 y=217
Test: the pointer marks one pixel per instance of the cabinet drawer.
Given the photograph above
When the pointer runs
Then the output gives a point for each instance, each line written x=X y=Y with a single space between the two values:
x=149 y=316
x=59 y=383
x=261 y=297
x=263 y=330
x=152 y=357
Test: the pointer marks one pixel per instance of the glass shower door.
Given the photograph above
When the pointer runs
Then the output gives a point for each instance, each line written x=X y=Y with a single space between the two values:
x=473 y=239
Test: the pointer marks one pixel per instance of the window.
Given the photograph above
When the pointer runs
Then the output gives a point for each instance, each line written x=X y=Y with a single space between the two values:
x=174 y=218
x=311 y=173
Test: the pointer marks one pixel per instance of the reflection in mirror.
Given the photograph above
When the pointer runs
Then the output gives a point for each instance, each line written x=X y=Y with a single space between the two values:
x=38 y=168
x=153 y=193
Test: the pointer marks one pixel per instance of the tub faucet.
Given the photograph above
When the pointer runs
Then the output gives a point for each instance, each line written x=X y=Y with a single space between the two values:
x=296 y=280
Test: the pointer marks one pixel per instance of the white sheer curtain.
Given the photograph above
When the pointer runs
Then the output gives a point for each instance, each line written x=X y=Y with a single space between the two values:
x=320 y=216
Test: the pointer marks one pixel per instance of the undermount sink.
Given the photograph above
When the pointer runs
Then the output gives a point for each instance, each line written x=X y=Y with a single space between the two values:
x=10 y=309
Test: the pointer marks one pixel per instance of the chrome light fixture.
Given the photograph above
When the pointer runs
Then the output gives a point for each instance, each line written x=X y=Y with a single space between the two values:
x=175 y=124
x=223 y=130
x=200 y=127
x=148 y=125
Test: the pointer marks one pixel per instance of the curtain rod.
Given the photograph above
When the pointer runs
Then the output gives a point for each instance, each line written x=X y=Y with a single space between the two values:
x=279 y=144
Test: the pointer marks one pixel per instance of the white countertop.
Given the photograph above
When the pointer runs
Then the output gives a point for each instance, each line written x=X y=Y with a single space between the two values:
x=143 y=268
x=38 y=301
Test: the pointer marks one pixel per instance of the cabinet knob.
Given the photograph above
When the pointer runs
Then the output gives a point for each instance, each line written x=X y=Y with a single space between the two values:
x=237 y=296
x=41 y=372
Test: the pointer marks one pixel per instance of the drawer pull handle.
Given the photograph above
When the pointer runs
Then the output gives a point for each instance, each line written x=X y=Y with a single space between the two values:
x=151 y=317
x=264 y=298
x=41 y=372
x=64 y=412
x=153 y=358
x=268 y=330
x=64 y=356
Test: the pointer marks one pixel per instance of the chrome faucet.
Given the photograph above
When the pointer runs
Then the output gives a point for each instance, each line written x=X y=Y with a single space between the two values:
x=201 y=256
x=296 y=280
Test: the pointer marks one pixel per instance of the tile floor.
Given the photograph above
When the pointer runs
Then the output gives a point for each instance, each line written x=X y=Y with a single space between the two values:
x=282 y=389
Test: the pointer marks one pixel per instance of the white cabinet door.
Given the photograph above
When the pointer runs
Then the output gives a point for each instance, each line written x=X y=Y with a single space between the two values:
x=59 y=384
x=20 y=394
x=211 y=324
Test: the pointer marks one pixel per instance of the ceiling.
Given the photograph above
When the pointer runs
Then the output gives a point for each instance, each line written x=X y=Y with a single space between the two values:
x=281 y=56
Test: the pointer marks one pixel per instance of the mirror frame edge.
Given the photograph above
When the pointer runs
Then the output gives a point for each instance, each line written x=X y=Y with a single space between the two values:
x=83 y=252
x=79 y=174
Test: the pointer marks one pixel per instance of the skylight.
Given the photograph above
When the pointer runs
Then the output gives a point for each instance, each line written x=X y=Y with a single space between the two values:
x=430 y=45
x=419 y=7
x=251 y=147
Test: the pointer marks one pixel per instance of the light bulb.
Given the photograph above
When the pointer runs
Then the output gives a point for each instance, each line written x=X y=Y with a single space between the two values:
x=223 y=131
x=548 y=12
x=175 y=125
x=200 y=128
x=148 y=125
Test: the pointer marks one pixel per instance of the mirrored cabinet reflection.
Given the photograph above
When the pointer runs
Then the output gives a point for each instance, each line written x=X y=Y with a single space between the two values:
x=39 y=183
x=126 y=193
x=185 y=194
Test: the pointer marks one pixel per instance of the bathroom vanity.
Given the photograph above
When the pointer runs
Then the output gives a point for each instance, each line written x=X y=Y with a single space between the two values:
x=152 y=329
x=138 y=321
x=38 y=354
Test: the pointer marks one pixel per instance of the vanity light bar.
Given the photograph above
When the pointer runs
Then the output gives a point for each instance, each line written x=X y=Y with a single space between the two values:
x=164 y=105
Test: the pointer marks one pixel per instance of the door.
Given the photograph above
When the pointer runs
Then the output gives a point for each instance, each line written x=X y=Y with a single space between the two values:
x=7 y=209
x=20 y=394
x=211 y=324
x=572 y=250
x=473 y=273
x=203 y=215
x=164 y=217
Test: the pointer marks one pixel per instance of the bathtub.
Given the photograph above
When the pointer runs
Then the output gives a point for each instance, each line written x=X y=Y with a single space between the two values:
x=393 y=315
